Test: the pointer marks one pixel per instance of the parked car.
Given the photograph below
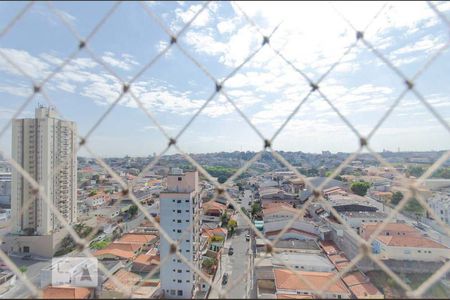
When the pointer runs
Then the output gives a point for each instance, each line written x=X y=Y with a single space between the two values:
x=230 y=251
x=247 y=237
x=225 y=279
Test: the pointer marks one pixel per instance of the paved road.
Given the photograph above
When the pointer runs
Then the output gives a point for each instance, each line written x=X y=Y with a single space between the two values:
x=235 y=265
x=33 y=270
x=246 y=199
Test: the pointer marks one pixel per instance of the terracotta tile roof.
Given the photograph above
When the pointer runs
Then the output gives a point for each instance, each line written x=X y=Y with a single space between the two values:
x=288 y=280
x=213 y=205
x=294 y=296
x=132 y=247
x=354 y=278
x=338 y=258
x=401 y=227
x=146 y=259
x=66 y=292
x=128 y=279
x=115 y=252
x=329 y=247
x=216 y=231
x=366 y=290
x=137 y=238
x=409 y=241
x=279 y=208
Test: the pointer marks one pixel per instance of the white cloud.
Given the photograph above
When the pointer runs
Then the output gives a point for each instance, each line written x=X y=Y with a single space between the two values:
x=124 y=62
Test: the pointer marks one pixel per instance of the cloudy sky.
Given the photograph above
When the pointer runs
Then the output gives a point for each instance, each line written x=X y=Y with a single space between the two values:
x=311 y=36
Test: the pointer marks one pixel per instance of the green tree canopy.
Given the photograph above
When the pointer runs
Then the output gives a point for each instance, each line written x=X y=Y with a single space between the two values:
x=396 y=197
x=360 y=187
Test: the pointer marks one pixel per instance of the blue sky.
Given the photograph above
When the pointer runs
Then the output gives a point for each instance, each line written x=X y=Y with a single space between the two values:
x=311 y=35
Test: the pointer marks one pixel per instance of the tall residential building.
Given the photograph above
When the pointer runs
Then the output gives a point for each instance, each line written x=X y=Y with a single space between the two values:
x=179 y=205
x=45 y=147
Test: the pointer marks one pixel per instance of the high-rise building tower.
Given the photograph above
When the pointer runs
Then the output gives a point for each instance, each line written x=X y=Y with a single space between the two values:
x=179 y=219
x=45 y=147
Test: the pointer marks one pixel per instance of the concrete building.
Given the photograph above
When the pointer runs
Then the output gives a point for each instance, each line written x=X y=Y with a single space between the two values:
x=45 y=147
x=179 y=205
x=440 y=204
x=5 y=189
x=356 y=218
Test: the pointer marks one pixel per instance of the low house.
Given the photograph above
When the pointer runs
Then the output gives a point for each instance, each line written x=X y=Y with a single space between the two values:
x=357 y=218
x=66 y=292
x=279 y=212
x=409 y=248
x=300 y=230
x=127 y=280
x=302 y=261
x=360 y=286
x=390 y=229
x=212 y=211
x=114 y=254
x=98 y=200
x=147 y=262
x=309 y=283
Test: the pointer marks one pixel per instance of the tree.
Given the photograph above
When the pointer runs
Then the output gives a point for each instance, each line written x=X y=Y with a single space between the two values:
x=232 y=224
x=92 y=193
x=133 y=210
x=224 y=218
x=360 y=187
x=256 y=208
x=396 y=197
x=209 y=263
x=415 y=171
x=23 y=269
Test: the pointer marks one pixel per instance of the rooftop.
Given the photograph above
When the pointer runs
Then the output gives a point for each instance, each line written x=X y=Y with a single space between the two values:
x=137 y=238
x=115 y=252
x=409 y=241
x=65 y=292
x=288 y=280
x=126 y=278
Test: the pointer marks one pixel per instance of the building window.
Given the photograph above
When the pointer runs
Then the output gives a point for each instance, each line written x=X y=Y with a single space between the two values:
x=188 y=281
x=187 y=241
x=179 y=211
x=180 y=292
x=188 y=250
x=178 y=201
x=179 y=230
x=179 y=178
x=187 y=201
x=179 y=280
x=187 y=210
x=178 y=221
x=188 y=271
x=179 y=271
x=172 y=292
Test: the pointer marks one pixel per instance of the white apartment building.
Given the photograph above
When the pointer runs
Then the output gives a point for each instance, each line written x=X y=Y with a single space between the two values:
x=45 y=147
x=440 y=204
x=179 y=205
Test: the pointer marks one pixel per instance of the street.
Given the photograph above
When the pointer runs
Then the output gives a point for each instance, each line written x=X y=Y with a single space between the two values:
x=235 y=265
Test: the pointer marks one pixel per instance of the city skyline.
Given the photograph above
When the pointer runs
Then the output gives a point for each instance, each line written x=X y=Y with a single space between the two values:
x=266 y=89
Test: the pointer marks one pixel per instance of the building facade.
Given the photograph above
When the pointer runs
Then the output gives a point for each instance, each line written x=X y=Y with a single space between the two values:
x=179 y=218
x=45 y=147
x=5 y=189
